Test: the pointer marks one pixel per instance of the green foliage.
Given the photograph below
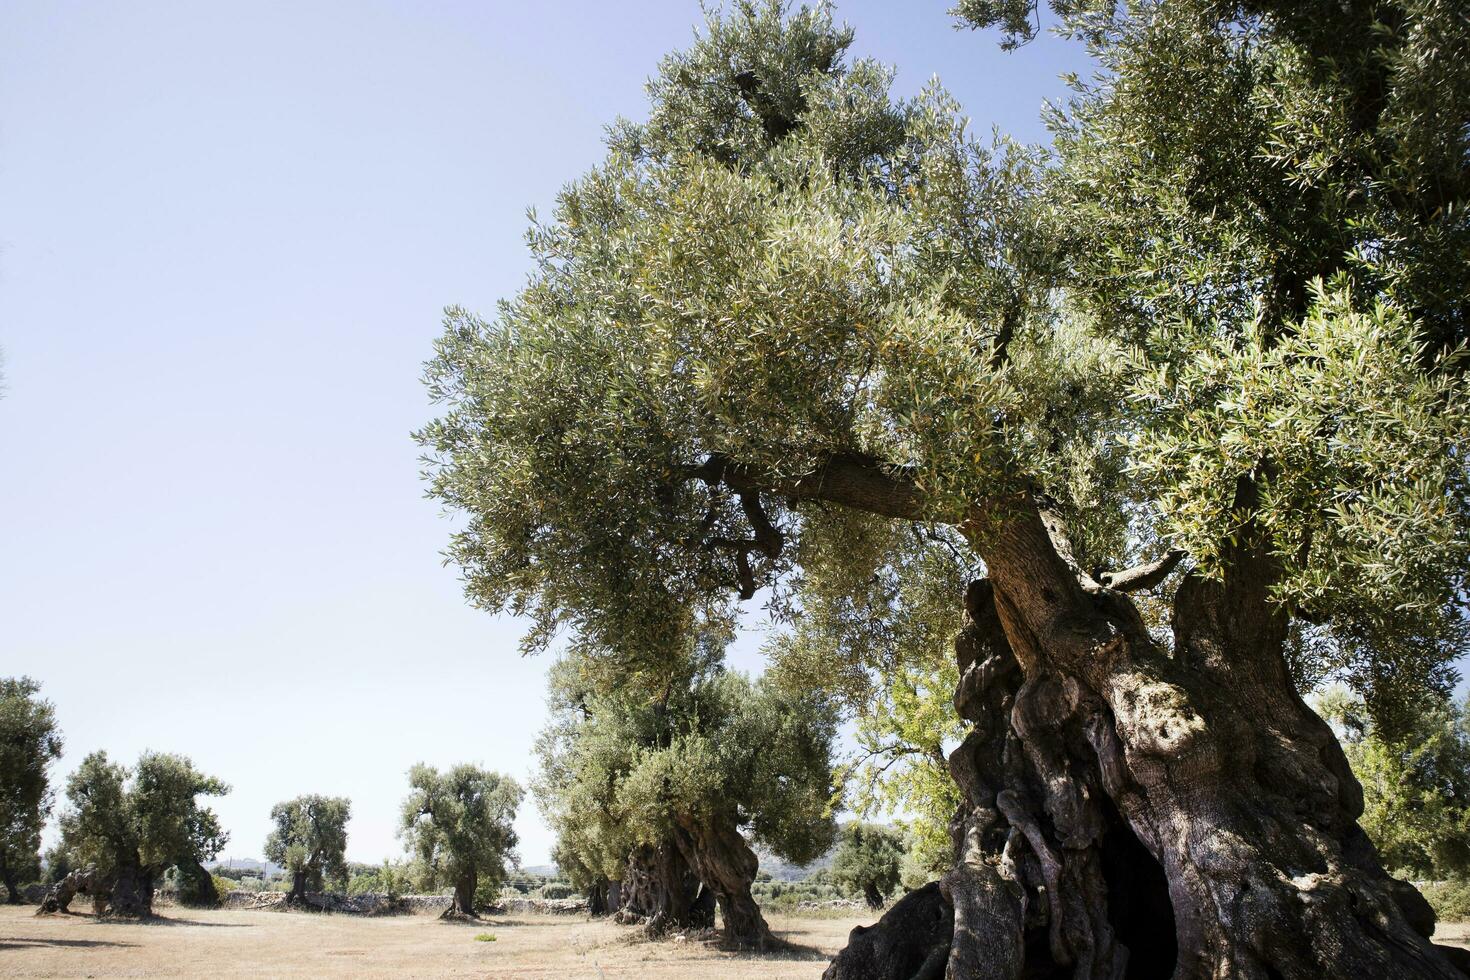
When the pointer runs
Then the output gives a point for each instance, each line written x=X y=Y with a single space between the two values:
x=868 y=860
x=484 y=937
x=459 y=823
x=58 y=863
x=310 y=837
x=1450 y=899
x=1416 y=786
x=223 y=886
x=29 y=743
x=146 y=816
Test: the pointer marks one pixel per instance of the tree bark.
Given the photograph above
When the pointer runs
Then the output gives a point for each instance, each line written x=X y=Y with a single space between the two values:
x=1137 y=809
x=12 y=888
x=872 y=896
x=462 y=905
x=911 y=941
x=727 y=866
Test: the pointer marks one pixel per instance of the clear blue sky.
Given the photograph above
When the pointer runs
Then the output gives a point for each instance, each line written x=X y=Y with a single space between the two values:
x=226 y=233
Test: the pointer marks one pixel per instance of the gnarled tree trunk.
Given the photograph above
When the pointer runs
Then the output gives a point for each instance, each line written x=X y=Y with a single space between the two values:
x=130 y=894
x=660 y=889
x=462 y=904
x=1140 y=809
x=297 y=894
x=727 y=866
x=82 y=881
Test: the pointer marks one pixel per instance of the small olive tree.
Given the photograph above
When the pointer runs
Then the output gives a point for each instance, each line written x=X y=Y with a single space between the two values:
x=29 y=742
x=132 y=825
x=310 y=841
x=458 y=824
x=868 y=860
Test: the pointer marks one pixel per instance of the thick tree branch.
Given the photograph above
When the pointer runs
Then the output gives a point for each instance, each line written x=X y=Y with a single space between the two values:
x=849 y=479
x=1142 y=577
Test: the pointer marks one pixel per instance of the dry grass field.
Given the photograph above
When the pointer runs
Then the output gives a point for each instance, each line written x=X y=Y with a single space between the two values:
x=196 y=943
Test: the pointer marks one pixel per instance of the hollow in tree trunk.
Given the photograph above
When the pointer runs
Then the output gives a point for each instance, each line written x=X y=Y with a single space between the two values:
x=660 y=889
x=727 y=866
x=604 y=897
x=462 y=904
x=1141 y=809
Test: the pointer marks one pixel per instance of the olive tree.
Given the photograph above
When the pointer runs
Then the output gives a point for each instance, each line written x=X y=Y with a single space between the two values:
x=1416 y=785
x=29 y=743
x=310 y=841
x=458 y=825
x=656 y=777
x=128 y=826
x=1188 y=388
x=867 y=861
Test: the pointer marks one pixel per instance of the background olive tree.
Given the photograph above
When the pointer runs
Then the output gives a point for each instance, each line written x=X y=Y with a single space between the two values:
x=666 y=771
x=29 y=742
x=131 y=824
x=310 y=841
x=458 y=825
x=867 y=861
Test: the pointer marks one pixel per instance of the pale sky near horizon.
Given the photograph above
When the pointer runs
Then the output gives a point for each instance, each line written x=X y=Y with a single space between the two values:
x=227 y=231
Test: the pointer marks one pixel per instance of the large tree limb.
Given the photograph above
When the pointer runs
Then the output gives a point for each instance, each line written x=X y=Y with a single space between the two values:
x=849 y=479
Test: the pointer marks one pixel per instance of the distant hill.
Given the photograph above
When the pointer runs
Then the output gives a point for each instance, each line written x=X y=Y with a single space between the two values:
x=244 y=864
x=783 y=870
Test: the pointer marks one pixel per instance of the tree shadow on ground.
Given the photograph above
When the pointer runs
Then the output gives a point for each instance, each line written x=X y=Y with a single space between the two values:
x=162 y=920
x=783 y=949
x=27 y=942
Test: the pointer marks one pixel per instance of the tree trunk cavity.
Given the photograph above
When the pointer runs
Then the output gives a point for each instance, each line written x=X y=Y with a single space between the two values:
x=1136 y=809
x=725 y=863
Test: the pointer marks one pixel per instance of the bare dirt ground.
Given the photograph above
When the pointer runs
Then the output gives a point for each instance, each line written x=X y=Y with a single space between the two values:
x=196 y=942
